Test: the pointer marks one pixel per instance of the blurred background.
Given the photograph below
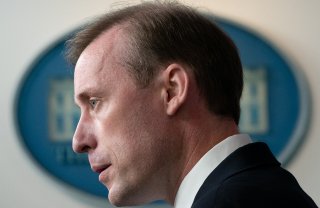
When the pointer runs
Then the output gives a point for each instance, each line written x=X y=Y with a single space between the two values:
x=29 y=27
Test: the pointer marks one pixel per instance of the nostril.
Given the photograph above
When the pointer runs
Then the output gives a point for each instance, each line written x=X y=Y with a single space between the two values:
x=85 y=149
x=79 y=147
x=83 y=143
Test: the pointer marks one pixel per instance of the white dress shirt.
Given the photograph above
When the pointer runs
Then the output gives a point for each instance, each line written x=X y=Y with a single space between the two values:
x=198 y=174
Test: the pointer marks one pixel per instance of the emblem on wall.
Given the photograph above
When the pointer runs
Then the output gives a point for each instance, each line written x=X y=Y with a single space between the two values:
x=275 y=106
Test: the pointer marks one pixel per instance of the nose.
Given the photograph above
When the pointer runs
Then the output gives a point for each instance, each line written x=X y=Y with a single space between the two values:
x=83 y=139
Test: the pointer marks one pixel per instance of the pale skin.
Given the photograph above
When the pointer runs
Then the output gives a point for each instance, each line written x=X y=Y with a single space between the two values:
x=141 y=141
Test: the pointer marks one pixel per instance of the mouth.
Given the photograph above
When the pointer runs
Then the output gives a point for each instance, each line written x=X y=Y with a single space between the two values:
x=101 y=168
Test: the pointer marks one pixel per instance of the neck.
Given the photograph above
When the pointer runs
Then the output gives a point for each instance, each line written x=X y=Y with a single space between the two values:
x=199 y=138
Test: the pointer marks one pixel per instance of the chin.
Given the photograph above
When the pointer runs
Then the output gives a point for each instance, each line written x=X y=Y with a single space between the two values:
x=116 y=201
x=120 y=198
x=123 y=202
x=126 y=198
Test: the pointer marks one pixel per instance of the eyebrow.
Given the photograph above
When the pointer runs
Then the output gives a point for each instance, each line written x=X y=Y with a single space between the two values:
x=86 y=94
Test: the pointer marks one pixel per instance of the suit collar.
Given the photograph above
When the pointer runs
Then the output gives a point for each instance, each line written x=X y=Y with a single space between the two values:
x=244 y=158
x=198 y=174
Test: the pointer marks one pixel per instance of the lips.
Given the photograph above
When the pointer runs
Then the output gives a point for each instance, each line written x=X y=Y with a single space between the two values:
x=100 y=168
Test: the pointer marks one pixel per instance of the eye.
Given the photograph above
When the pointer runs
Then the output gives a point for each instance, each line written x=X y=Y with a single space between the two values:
x=93 y=102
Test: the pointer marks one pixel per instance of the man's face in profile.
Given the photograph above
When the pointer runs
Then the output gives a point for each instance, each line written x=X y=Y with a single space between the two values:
x=122 y=127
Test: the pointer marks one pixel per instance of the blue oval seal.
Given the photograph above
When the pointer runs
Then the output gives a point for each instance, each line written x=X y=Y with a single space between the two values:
x=275 y=106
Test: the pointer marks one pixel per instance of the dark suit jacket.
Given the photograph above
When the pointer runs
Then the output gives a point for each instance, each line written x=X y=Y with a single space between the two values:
x=251 y=178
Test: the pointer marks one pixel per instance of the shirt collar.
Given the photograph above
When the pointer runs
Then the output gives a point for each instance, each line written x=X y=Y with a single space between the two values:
x=198 y=174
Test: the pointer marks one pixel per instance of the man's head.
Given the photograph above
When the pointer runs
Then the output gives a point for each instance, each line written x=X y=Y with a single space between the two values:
x=142 y=77
x=161 y=33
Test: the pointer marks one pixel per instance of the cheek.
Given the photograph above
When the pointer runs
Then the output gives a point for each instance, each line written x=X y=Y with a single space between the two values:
x=119 y=133
x=133 y=132
x=136 y=143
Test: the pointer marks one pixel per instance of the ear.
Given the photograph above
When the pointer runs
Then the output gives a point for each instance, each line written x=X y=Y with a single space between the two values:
x=176 y=84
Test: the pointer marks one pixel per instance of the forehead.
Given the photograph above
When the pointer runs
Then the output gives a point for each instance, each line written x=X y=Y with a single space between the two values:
x=101 y=60
x=107 y=47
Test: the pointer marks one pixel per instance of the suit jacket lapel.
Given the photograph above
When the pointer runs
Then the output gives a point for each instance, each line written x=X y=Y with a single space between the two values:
x=244 y=158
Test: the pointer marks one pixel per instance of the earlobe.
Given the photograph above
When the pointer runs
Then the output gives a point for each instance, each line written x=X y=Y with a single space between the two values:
x=176 y=81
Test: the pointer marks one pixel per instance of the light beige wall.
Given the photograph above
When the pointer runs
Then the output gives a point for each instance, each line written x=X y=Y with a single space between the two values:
x=28 y=27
